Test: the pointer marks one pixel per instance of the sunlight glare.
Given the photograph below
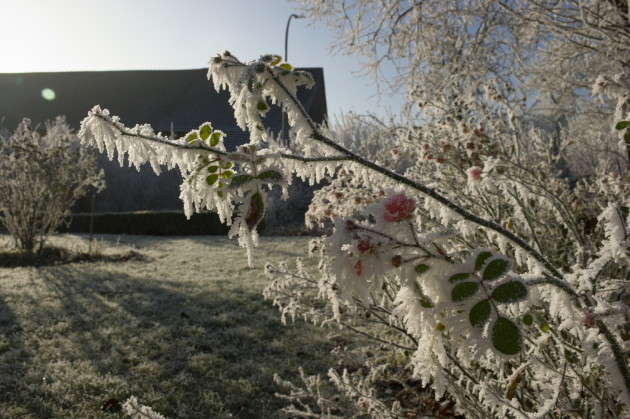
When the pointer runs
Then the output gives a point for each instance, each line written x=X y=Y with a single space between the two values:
x=48 y=94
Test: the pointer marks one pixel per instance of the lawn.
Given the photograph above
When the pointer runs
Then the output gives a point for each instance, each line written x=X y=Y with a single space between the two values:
x=181 y=325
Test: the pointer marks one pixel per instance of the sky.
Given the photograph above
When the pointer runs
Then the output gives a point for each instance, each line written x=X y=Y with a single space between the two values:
x=83 y=35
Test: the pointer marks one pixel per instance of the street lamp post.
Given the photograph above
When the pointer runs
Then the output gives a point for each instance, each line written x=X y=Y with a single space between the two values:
x=285 y=140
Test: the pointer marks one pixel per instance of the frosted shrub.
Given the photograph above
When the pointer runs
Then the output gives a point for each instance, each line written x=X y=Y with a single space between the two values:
x=41 y=177
x=135 y=410
x=488 y=274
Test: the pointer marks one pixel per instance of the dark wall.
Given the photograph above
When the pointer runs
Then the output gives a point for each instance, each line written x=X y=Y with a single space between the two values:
x=130 y=190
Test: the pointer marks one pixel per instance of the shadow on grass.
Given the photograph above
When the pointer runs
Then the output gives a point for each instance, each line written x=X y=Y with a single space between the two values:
x=13 y=359
x=187 y=350
x=52 y=256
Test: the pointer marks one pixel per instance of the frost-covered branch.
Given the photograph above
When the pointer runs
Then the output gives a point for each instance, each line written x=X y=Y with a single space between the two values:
x=402 y=180
x=431 y=240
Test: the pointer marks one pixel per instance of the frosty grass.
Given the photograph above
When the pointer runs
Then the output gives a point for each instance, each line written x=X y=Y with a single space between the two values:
x=184 y=328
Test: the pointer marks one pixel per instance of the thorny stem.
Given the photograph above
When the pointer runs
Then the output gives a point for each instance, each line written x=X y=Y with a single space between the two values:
x=203 y=147
x=618 y=353
x=432 y=193
x=560 y=206
x=390 y=324
x=368 y=229
x=527 y=220
x=376 y=338
x=616 y=349
x=564 y=286
x=313 y=159
x=353 y=391
x=158 y=139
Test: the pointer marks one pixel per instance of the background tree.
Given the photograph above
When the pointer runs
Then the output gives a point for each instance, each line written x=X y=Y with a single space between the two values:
x=41 y=177
x=487 y=62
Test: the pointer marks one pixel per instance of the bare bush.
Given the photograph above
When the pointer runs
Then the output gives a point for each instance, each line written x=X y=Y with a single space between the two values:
x=41 y=177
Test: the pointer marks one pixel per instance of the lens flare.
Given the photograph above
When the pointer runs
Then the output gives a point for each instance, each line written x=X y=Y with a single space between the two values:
x=48 y=94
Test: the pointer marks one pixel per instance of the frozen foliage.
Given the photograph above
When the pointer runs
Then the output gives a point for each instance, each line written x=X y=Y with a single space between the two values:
x=41 y=177
x=137 y=411
x=481 y=260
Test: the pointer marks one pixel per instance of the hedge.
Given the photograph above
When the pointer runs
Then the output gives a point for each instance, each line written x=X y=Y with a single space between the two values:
x=150 y=223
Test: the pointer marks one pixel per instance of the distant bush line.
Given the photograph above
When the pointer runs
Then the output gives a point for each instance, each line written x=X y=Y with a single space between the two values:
x=151 y=223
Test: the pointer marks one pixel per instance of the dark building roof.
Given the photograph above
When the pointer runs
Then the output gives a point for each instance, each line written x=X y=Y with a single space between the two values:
x=166 y=99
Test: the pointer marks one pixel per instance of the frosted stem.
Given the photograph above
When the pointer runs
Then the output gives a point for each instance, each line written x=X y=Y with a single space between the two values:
x=432 y=193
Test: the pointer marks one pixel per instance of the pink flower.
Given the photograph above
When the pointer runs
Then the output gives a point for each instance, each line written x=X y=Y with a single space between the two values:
x=366 y=246
x=398 y=207
x=474 y=174
x=358 y=268
x=588 y=319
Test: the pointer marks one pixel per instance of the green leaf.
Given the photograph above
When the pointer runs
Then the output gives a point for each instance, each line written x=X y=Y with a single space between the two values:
x=510 y=292
x=250 y=84
x=458 y=277
x=463 y=291
x=422 y=268
x=480 y=313
x=256 y=211
x=240 y=180
x=205 y=131
x=425 y=302
x=214 y=139
x=571 y=356
x=262 y=106
x=191 y=137
x=528 y=319
x=495 y=269
x=622 y=125
x=307 y=76
x=506 y=337
x=226 y=165
x=481 y=259
x=220 y=193
x=286 y=66
x=544 y=326
x=276 y=60
x=213 y=169
x=212 y=179
x=270 y=176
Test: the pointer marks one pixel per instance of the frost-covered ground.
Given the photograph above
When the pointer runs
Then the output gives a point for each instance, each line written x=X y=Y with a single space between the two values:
x=183 y=327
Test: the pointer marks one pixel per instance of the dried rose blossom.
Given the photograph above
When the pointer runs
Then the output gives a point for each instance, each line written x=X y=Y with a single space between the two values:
x=398 y=207
x=358 y=268
x=474 y=174
x=366 y=246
